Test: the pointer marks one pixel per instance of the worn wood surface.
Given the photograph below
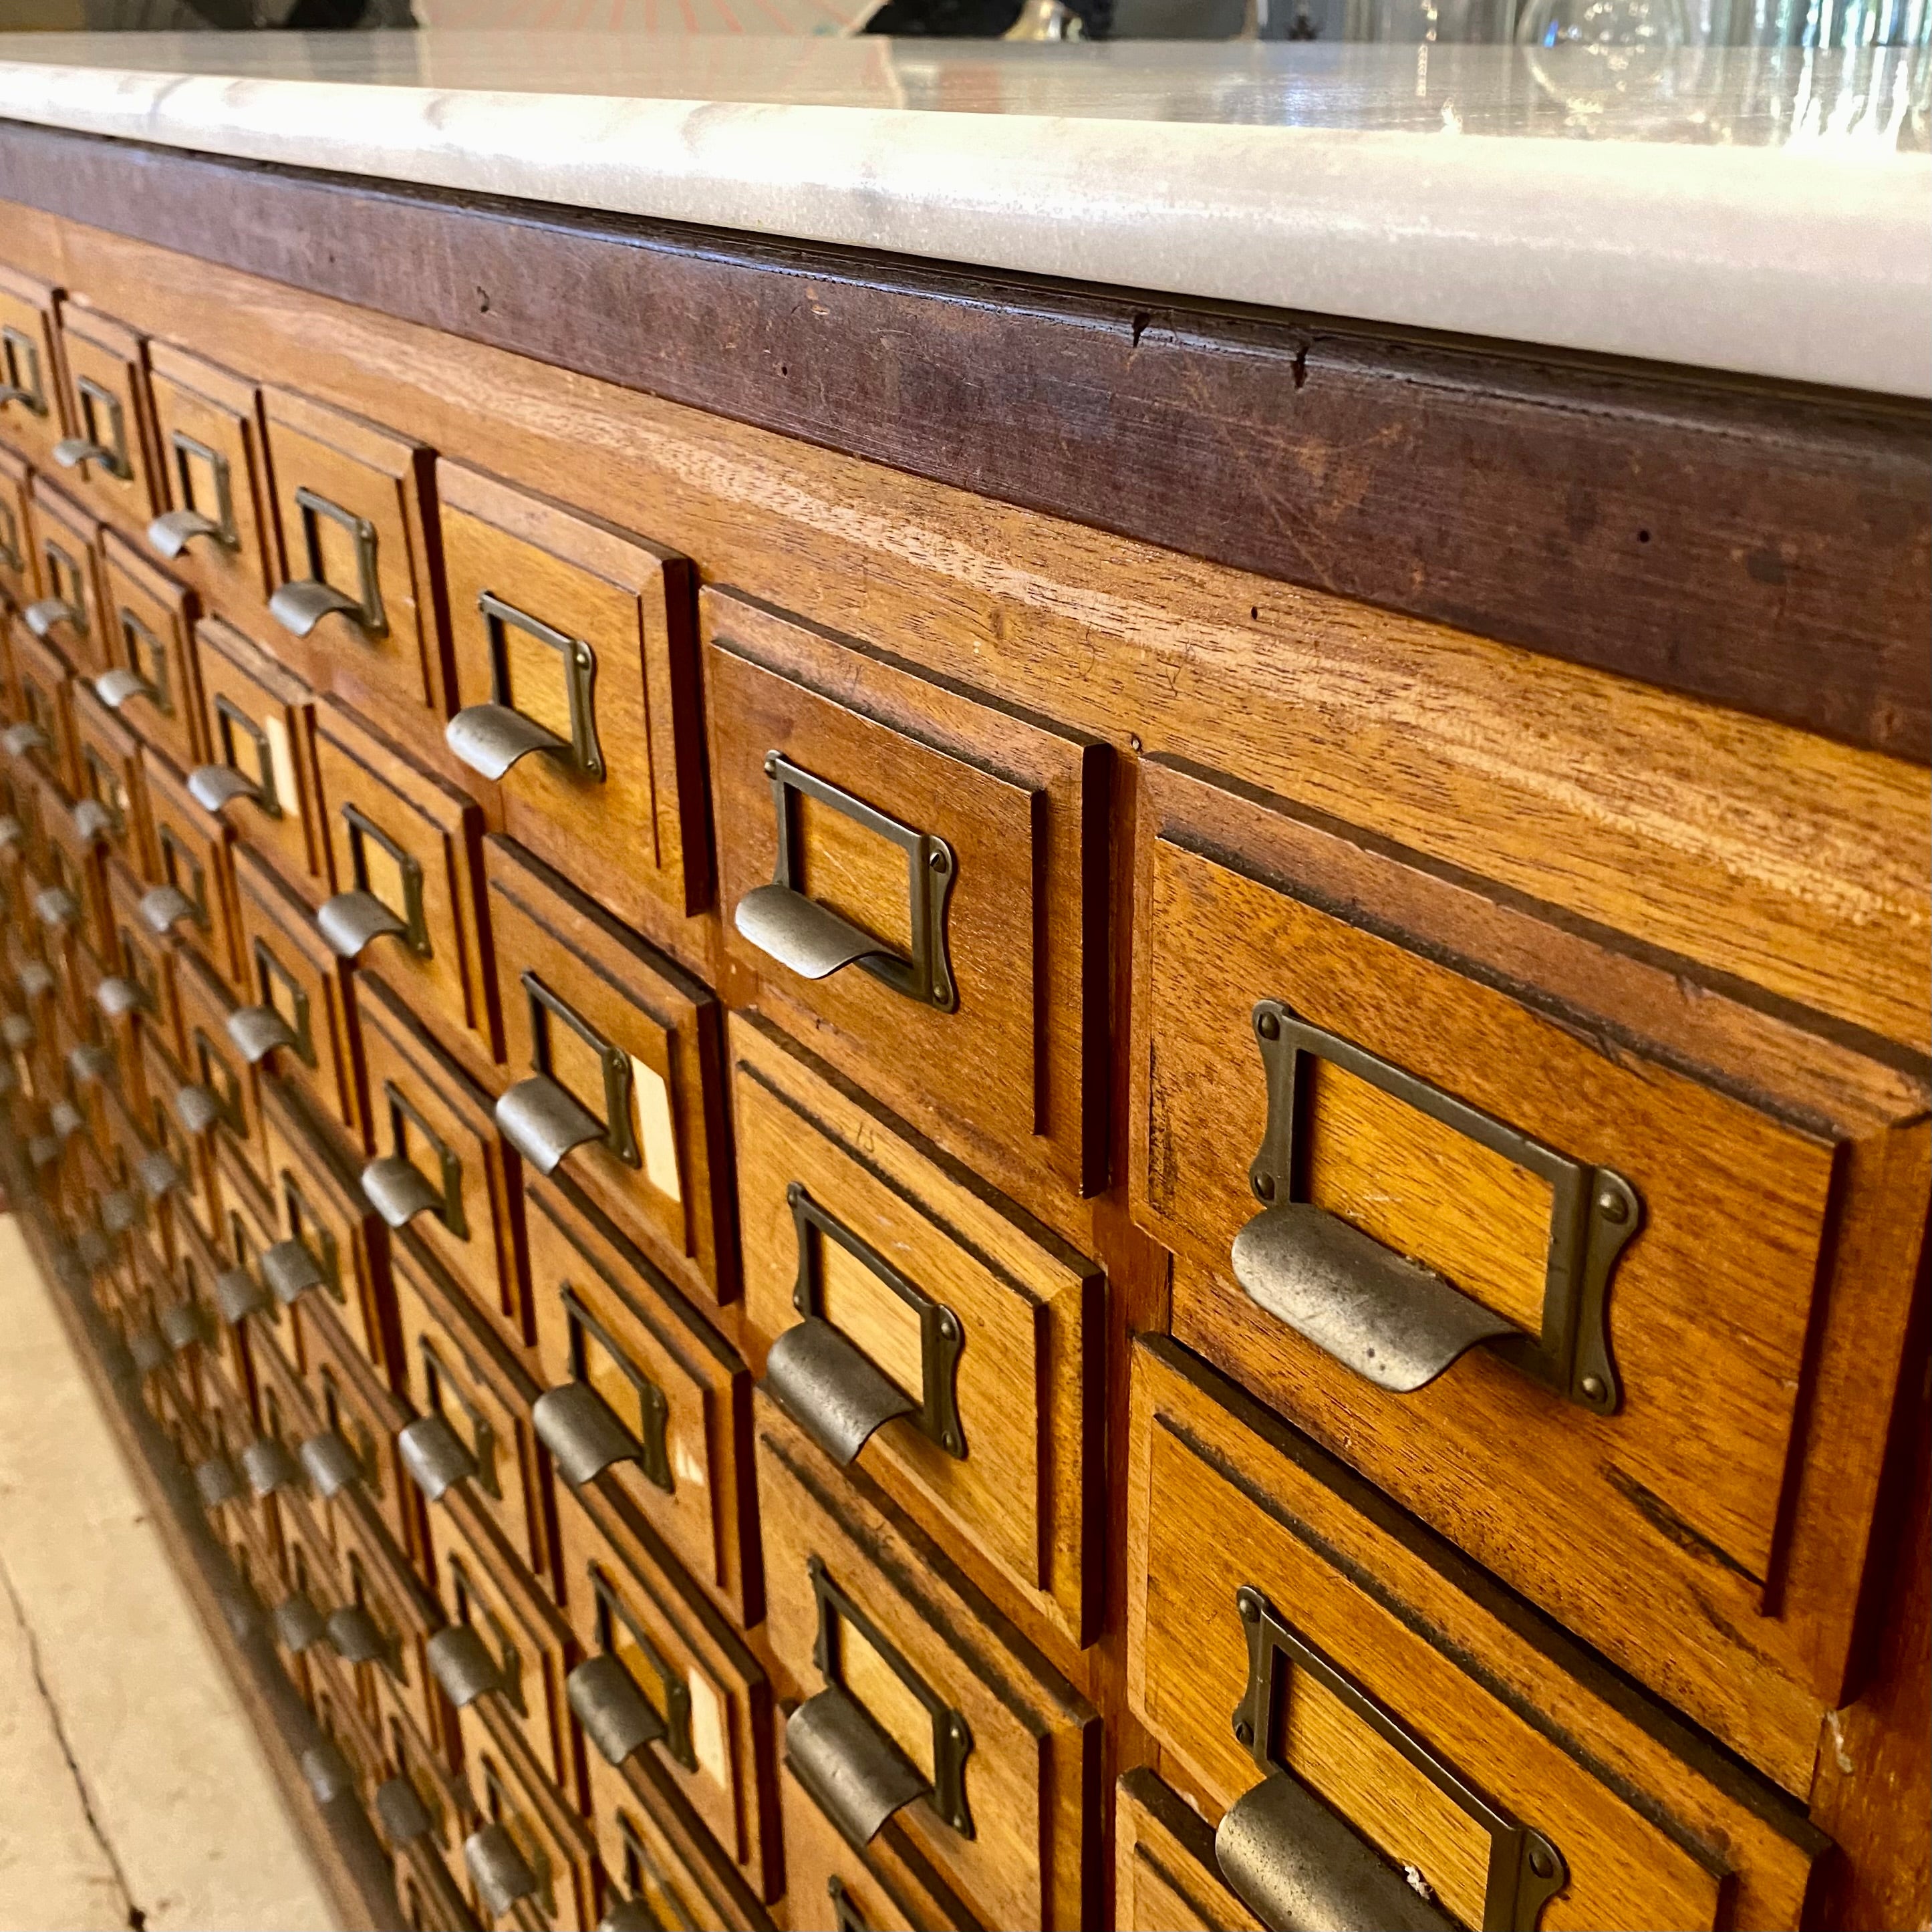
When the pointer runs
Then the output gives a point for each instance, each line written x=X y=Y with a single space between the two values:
x=1165 y=1878
x=1765 y=548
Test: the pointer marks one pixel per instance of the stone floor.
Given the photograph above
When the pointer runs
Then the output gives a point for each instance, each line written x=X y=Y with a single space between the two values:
x=132 y=1792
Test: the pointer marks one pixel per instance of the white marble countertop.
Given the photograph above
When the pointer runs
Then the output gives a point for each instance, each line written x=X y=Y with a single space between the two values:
x=1767 y=213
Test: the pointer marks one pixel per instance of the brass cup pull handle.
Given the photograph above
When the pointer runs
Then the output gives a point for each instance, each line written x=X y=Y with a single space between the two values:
x=181 y=1326
x=352 y=921
x=491 y=738
x=238 y=1294
x=213 y=787
x=17 y=740
x=215 y=1481
x=617 y=1718
x=90 y=1064
x=197 y=1109
x=120 y=1210
x=54 y=908
x=501 y=1874
x=300 y=605
x=328 y=1462
x=93 y=820
x=289 y=1271
x=326 y=1772
x=35 y=979
x=269 y=1466
x=582 y=1432
x=71 y=451
x=169 y=534
x=116 y=997
x=1392 y=1320
x=17 y=1030
x=1294 y=1861
x=299 y=608
x=90 y=1246
x=164 y=907
x=297 y=1624
x=813 y=940
x=11 y=393
x=461 y=1663
x=259 y=1031
x=45 y=615
x=543 y=1123
x=398 y=1191
x=115 y=688
x=354 y=1636
x=401 y=1812
x=65 y=1120
x=858 y=1776
x=436 y=1456
x=158 y=1175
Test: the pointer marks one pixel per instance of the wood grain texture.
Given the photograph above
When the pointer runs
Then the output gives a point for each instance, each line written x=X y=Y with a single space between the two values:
x=66 y=543
x=149 y=627
x=111 y=773
x=107 y=402
x=1658 y=1828
x=194 y=852
x=1767 y=549
x=19 y=568
x=35 y=422
x=1165 y=1878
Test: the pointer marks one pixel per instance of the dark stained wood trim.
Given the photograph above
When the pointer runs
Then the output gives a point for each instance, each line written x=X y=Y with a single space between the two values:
x=1769 y=549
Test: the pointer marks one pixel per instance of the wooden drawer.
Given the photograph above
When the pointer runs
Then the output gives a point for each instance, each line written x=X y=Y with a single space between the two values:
x=33 y=407
x=1166 y=1879
x=355 y=505
x=150 y=668
x=473 y=1404
x=666 y=1675
x=223 y=1343
x=19 y=564
x=918 y=1321
x=112 y=782
x=576 y=675
x=441 y=1169
x=939 y=895
x=144 y=1200
x=406 y=859
x=830 y=1887
x=652 y=1850
x=193 y=896
x=415 y=1755
x=514 y=1656
x=922 y=1702
x=1371 y=1144
x=260 y=729
x=217 y=524
x=44 y=741
x=427 y=1895
x=638 y=1383
x=1375 y=1702
x=301 y=1014
x=141 y=988
x=615 y=1054
x=350 y=1403
x=386 y=1653
x=67 y=607
x=222 y=1096
x=195 y=1187
x=529 y=1862
x=109 y=452
x=79 y=912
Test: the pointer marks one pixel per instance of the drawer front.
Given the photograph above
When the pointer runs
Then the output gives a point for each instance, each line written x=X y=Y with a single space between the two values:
x=301 y=1012
x=1165 y=1878
x=260 y=732
x=348 y=1400
x=194 y=1185
x=386 y=1655
x=555 y=1884
x=830 y=1887
x=227 y=1088
x=153 y=677
x=69 y=546
x=406 y=856
x=112 y=779
x=919 y=1695
x=937 y=895
x=616 y=1345
x=81 y=915
x=909 y=1317
x=576 y=685
x=614 y=1056
x=193 y=898
x=108 y=454
x=440 y=1168
x=223 y=1349
x=1556 y=1295
x=691 y=1695
x=143 y=966
x=49 y=744
x=216 y=526
x=485 y=1586
x=33 y=408
x=19 y=564
x=249 y=1236
x=352 y=503
x=455 y=1368
x=1329 y=1672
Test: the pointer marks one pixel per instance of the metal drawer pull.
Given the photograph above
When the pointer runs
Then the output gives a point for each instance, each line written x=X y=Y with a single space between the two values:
x=163 y=908
x=90 y=1064
x=299 y=606
x=17 y=1030
x=351 y=920
x=328 y=1462
x=398 y=1191
x=157 y=1175
x=114 y=688
x=543 y=1123
x=858 y=1776
x=66 y=1120
x=830 y=1385
x=1391 y=1319
x=258 y=1031
x=12 y=832
x=42 y=1150
x=149 y=1352
x=215 y=1481
x=289 y=1271
x=71 y=451
x=91 y=1247
x=354 y=1636
x=46 y=614
x=462 y=1665
x=197 y=1109
x=502 y=1873
x=400 y=1810
x=116 y=997
x=629 y=1914
x=238 y=1294
x=297 y=1624
x=1295 y=1863
x=35 y=979
x=169 y=534
x=93 y=820
x=18 y=740
x=182 y=1326
x=815 y=941
x=327 y=1773
x=582 y=1433
x=617 y=1718
x=491 y=738
x=436 y=1456
x=213 y=787
x=119 y=1210
x=269 y=1466
x=55 y=907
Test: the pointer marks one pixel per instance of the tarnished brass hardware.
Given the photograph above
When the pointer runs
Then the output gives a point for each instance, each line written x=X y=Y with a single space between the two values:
x=158 y=1175
x=353 y=1635
x=56 y=908
x=353 y=918
x=491 y=738
x=289 y=1271
x=163 y=907
x=436 y=1456
x=215 y=1481
x=116 y=997
x=110 y=452
x=259 y=1031
x=502 y=1874
x=396 y=1189
x=23 y=383
x=182 y=1325
x=269 y=1466
x=327 y=1773
x=90 y=1064
x=462 y=1665
x=401 y=1812
x=115 y=688
x=197 y=1109
x=835 y=1392
x=1392 y=1320
x=300 y=605
x=673 y=1708
x=18 y=740
x=328 y=1462
x=238 y=1293
x=541 y=1119
x=45 y=615
x=169 y=534
x=815 y=942
x=95 y=822
x=617 y=1718
x=297 y=1624
x=1289 y=1857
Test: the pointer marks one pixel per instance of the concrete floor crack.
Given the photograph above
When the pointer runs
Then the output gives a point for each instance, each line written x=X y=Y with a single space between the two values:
x=136 y=1919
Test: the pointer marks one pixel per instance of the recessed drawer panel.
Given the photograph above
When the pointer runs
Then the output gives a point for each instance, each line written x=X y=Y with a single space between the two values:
x=638 y=1383
x=150 y=672
x=440 y=1168
x=923 y=872
x=261 y=773
x=108 y=453
x=528 y=1862
x=33 y=410
x=300 y=1018
x=614 y=1055
x=68 y=547
x=111 y=807
x=1363 y=1701
x=1547 y=1262
x=222 y=1093
x=576 y=677
x=20 y=566
x=909 y=1317
x=665 y=1674
x=922 y=1702
x=216 y=526
x=44 y=740
x=406 y=861
x=354 y=504
x=1166 y=1879
x=192 y=899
